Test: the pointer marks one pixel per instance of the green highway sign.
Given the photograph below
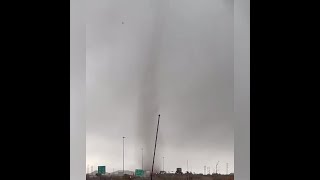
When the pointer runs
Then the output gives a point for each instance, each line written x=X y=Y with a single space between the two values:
x=102 y=169
x=139 y=172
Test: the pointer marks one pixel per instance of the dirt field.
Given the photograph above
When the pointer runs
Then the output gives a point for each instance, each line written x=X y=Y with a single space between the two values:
x=167 y=177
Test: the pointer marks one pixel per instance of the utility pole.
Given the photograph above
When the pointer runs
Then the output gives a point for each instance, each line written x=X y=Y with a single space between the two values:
x=123 y=155
x=155 y=146
x=205 y=168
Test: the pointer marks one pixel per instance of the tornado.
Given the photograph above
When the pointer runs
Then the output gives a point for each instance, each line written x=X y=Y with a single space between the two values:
x=148 y=103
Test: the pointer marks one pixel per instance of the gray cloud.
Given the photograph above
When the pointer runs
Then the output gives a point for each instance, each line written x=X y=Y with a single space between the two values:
x=173 y=58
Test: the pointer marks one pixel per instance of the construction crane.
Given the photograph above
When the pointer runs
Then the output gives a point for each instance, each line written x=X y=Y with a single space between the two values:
x=155 y=146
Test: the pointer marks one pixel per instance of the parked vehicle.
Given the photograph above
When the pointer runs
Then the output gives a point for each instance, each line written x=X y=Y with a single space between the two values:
x=179 y=171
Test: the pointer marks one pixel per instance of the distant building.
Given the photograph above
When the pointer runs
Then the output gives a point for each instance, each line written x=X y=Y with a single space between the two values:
x=94 y=173
x=147 y=173
x=120 y=173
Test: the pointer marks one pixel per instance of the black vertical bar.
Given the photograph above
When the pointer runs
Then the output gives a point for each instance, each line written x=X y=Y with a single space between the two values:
x=155 y=146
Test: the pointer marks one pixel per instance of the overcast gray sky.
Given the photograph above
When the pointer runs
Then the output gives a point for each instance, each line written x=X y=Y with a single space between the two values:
x=173 y=58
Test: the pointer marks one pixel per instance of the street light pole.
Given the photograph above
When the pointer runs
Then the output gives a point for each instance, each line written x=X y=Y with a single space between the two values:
x=142 y=159
x=187 y=166
x=162 y=163
x=123 y=155
x=217 y=167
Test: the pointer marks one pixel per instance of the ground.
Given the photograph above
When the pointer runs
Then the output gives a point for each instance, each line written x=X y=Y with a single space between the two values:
x=166 y=177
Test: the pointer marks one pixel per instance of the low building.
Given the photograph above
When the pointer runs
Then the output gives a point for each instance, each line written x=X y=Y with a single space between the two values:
x=120 y=173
